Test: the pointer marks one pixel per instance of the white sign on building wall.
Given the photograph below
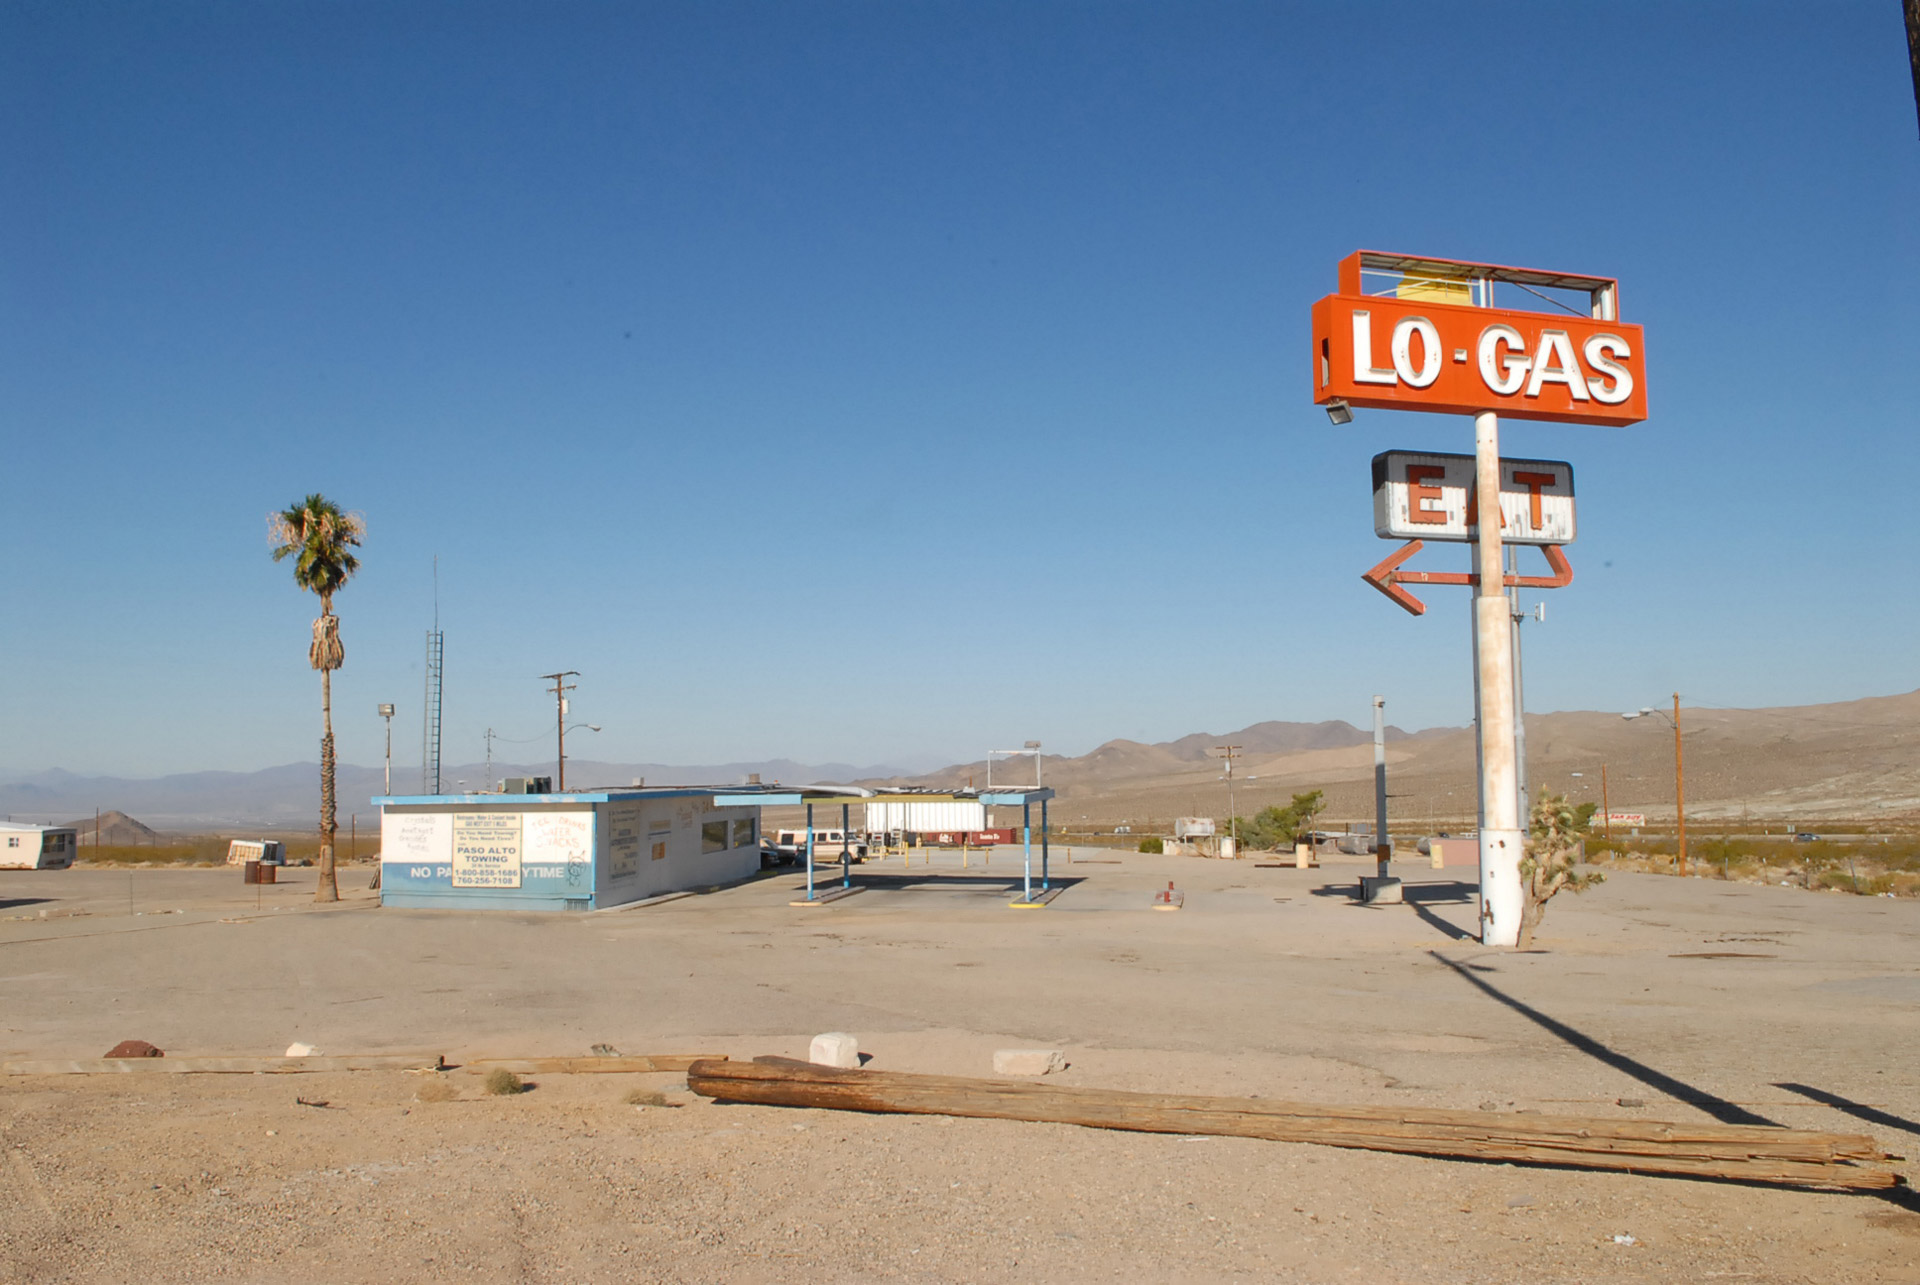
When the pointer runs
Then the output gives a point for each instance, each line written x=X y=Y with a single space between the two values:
x=486 y=850
x=623 y=840
x=418 y=839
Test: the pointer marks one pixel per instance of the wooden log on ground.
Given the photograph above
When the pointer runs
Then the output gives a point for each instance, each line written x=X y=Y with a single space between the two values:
x=593 y=1065
x=1793 y=1157
x=224 y=1065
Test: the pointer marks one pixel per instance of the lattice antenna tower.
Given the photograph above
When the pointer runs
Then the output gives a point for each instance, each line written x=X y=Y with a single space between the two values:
x=430 y=725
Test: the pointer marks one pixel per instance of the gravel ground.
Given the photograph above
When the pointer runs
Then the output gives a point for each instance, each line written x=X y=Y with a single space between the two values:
x=1692 y=998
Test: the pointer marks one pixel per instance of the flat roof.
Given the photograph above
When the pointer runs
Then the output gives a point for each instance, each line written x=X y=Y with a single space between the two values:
x=777 y=797
x=604 y=795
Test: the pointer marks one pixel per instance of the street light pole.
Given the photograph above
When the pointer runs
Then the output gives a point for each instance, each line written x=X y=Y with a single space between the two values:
x=1679 y=778
x=386 y=712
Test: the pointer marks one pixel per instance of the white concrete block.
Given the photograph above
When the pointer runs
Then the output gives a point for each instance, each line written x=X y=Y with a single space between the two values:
x=835 y=1048
x=1028 y=1061
x=1376 y=890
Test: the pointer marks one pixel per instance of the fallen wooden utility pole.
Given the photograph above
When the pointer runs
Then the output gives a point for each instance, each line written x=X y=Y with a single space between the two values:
x=1791 y=1157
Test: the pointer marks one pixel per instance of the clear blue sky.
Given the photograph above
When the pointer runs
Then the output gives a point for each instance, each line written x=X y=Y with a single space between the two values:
x=883 y=382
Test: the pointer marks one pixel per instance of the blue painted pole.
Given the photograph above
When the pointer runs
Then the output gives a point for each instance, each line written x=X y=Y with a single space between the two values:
x=846 y=856
x=809 y=852
x=1043 y=845
x=1026 y=837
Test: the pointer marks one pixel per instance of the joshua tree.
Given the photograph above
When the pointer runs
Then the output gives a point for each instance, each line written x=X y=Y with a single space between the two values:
x=320 y=536
x=1548 y=866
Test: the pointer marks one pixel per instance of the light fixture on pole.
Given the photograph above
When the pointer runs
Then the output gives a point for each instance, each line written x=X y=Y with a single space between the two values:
x=591 y=727
x=1339 y=412
x=386 y=712
x=1679 y=774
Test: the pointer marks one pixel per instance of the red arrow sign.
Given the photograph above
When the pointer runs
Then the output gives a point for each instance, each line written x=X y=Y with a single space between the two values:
x=1387 y=577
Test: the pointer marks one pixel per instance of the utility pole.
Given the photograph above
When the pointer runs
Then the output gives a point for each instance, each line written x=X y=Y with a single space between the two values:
x=1606 y=809
x=1679 y=785
x=489 y=781
x=1229 y=752
x=560 y=689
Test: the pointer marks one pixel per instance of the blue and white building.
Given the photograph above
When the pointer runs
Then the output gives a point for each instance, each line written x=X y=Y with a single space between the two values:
x=585 y=850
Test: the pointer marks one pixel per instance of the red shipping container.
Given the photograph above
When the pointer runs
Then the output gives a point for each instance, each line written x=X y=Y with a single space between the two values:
x=988 y=838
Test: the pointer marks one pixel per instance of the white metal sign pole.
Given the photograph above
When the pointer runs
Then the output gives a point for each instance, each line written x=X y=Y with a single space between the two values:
x=1500 y=835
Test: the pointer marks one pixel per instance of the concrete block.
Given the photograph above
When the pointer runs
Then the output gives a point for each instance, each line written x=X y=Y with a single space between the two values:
x=835 y=1048
x=1028 y=1061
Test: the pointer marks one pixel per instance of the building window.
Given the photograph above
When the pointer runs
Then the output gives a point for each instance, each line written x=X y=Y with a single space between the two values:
x=743 y=835
x=13 y=841
x=713 y=836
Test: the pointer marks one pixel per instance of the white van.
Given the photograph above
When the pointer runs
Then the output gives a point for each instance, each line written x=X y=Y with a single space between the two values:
x=826 y=844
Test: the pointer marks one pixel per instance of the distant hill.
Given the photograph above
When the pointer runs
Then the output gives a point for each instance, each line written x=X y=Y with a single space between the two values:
x=1123 y=760
x=113 y=829
x=1849 y=760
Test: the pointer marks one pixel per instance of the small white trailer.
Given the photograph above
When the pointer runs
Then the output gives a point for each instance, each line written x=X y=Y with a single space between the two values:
x=37 y=847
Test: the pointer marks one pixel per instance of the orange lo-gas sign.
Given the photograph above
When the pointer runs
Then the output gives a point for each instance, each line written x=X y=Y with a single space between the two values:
x=1428 y=347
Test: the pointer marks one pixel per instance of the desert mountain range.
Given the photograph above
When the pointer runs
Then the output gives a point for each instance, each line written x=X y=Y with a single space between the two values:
x=1855 y=760
x=1850 y=761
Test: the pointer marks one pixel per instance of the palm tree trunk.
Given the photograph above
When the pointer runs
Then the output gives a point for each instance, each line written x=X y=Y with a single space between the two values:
x=326 y=889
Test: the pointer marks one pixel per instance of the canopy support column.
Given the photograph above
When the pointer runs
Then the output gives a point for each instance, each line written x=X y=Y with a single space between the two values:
x=1026 y=838
x=1044 y=882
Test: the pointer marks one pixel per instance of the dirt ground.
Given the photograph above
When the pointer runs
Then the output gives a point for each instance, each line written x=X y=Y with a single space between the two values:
x=1652 y=996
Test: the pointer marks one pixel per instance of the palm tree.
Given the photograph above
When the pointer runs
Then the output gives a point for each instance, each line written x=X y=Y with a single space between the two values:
x=319 y=536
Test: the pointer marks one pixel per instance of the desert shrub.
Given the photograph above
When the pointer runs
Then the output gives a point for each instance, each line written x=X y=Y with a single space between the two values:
x=1152 y=843
x=502 y=1083
x=436 y=1088
x=1548 y=866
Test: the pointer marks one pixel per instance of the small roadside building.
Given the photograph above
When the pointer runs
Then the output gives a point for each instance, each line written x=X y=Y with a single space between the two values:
x=581 y=850
x=37 y=847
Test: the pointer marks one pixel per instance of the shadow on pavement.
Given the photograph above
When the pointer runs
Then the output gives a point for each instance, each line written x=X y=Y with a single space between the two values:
x=11 y=903
x=1421 y=896
x=1719 y=1108
x=869 y=878
x=1858 y=1110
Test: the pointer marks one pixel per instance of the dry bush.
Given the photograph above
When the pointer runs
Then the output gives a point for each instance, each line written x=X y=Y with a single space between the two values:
x=437 y=1088
x=501 y=1082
